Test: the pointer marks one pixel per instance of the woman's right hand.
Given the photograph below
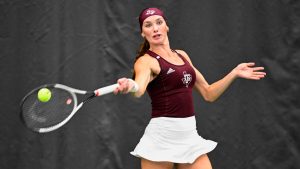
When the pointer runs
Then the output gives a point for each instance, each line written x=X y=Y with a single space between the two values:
x=125 y=86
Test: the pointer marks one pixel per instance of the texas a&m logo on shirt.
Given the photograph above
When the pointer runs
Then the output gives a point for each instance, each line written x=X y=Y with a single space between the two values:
x=187 y=78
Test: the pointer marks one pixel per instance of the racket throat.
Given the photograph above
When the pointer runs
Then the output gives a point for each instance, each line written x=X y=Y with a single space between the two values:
x=88 y=99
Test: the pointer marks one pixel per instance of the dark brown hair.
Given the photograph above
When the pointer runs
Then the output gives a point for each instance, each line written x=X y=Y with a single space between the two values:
x=144 y=47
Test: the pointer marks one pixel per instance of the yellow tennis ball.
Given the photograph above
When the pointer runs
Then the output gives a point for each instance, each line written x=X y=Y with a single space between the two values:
x=44 y=95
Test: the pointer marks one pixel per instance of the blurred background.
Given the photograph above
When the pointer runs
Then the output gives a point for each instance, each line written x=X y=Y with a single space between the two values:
x=88 y=44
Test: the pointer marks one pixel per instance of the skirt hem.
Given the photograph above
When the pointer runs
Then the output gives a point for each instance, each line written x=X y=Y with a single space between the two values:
x=189 y=160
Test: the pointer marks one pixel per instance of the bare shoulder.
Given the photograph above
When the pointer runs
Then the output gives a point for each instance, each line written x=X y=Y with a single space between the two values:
x=145 y=59
x=184 y=54
x=147 y=62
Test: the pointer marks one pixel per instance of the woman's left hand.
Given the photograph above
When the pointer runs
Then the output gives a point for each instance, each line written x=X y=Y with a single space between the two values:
x=248 y=71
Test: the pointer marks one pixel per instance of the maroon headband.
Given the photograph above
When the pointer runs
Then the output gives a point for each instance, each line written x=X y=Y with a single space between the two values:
x=149 y=12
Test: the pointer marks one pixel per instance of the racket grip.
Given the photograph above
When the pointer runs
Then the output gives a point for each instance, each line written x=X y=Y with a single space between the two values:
x=105 y=90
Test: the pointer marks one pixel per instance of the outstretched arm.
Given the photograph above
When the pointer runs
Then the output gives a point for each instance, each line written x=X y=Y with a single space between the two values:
x=212 y=92
x=215 y=90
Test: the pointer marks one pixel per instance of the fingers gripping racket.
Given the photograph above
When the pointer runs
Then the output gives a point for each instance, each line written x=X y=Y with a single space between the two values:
x=46 y=116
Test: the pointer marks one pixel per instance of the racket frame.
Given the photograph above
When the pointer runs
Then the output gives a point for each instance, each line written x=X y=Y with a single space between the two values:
x=73 y=92
x=76 y=107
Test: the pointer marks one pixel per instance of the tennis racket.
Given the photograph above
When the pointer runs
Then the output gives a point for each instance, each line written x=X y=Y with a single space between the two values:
x=48 y=116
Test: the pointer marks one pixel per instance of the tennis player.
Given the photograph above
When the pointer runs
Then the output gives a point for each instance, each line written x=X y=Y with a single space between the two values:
x=171 y=139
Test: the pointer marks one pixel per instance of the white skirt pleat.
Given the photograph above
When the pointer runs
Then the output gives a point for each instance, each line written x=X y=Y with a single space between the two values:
x=173 y=140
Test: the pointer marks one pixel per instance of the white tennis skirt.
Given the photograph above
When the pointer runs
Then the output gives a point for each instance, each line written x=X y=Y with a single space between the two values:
x=172 y=140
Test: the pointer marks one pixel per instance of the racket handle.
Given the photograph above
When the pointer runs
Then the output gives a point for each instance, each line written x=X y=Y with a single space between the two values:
x=105 y=90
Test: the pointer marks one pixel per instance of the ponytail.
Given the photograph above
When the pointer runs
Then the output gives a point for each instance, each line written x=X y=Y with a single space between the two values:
x=144 y=47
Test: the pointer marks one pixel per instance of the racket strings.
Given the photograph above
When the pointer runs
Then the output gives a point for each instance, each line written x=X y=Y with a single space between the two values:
x=37 y=114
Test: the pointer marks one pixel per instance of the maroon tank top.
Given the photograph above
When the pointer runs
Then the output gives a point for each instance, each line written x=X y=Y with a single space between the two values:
x=171 y=90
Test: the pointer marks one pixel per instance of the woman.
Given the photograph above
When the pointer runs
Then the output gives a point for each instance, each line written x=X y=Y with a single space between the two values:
x=169 y=76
